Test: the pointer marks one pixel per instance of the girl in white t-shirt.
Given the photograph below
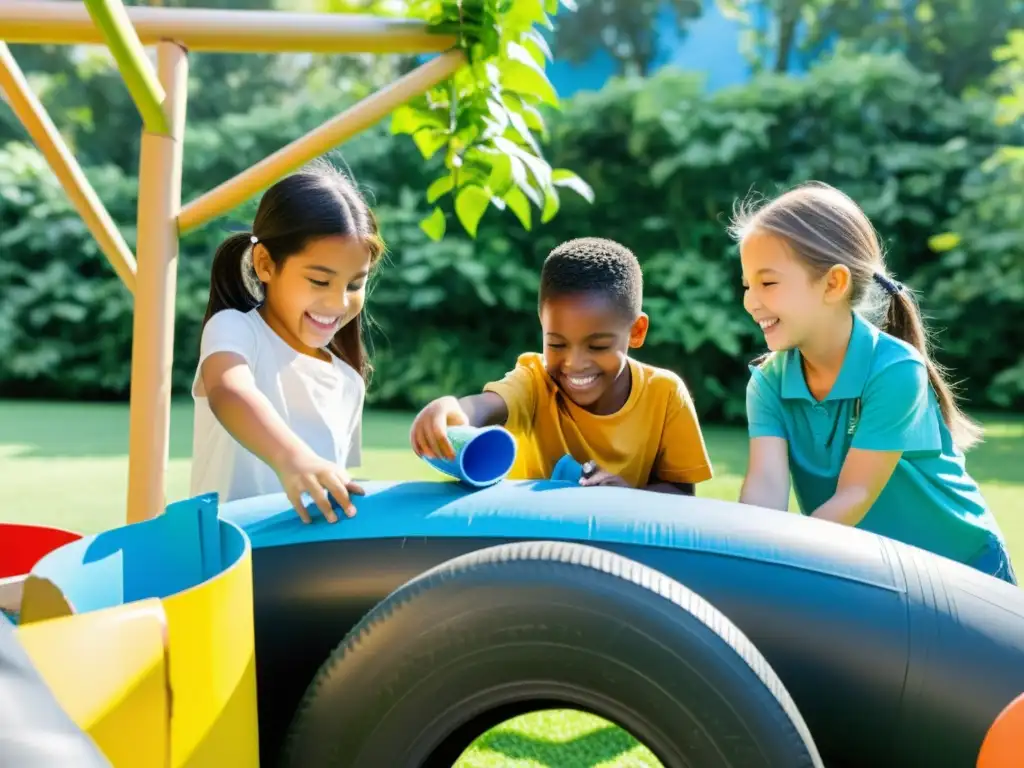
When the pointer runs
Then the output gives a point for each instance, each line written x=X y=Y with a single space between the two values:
x=280 y=382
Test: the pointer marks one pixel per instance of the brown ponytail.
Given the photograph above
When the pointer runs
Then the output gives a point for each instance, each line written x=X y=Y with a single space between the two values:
x=903 y=320
x=227 y=289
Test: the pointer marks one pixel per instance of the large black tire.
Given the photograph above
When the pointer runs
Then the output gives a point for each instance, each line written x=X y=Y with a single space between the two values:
x=535 y=625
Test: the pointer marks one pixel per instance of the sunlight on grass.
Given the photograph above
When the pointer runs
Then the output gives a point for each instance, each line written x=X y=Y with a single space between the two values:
x=556 y=738
x=66 y=464
x=1004 y=429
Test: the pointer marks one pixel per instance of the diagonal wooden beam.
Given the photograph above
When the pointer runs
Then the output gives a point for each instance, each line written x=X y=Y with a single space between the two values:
x=338 y=129
x=44 y=133
x=112 y=21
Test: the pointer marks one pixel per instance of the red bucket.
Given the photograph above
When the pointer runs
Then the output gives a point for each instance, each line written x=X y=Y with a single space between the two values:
x=22 y=546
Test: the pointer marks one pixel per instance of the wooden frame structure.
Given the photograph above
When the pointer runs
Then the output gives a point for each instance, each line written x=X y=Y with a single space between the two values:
x=160 y=95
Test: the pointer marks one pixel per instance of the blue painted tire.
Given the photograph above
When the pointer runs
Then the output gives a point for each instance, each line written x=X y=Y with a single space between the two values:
x=537 y=625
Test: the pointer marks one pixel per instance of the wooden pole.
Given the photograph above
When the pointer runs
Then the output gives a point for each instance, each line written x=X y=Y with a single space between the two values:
x=226 y=31
x=356 y=118
x=47 y=138
x=153 y=325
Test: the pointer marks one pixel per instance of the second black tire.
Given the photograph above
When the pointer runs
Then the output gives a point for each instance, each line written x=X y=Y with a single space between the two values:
x=535 y=625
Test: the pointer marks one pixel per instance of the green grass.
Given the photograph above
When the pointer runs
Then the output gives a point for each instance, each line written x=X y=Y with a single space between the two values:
x=66 y=465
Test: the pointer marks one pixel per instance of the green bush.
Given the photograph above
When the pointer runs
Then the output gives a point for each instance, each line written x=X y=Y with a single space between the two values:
x=976 y=287
x=666 y=161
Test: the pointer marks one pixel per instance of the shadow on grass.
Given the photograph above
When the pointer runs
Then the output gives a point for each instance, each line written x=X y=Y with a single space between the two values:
x=67 y=430
x=585 y=751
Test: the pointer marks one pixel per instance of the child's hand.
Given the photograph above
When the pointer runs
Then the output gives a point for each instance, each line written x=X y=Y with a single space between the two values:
x=429 y=433
x=593 y=475
x=308 y=473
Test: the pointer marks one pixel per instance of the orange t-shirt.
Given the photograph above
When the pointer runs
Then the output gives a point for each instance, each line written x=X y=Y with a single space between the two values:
x=655 y=436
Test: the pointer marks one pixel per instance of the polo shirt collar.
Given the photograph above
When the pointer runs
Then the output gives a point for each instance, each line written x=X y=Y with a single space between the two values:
x=852 y=376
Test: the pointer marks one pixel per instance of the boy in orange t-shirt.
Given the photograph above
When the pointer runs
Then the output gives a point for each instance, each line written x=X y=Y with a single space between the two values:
x=585 y=395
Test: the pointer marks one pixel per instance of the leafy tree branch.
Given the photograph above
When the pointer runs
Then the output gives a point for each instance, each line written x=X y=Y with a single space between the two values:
x=487 y=119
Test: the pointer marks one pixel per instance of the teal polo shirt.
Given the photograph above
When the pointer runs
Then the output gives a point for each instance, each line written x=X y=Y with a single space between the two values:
x=881 y=401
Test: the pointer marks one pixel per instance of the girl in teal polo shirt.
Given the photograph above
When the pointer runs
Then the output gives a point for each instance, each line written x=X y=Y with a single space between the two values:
x=861 y=419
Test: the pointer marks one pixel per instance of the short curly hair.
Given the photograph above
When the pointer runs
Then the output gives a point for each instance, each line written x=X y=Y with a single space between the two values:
x=594 y=265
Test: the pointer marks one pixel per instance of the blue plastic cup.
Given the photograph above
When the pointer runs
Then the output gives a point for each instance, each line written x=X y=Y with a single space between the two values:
x=483 y=456
x=567 y=470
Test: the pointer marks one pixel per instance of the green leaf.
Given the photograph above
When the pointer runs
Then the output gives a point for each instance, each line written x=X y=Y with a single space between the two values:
x=440 y=187
x=429 y=141
x=538 y=46
x=519 y=123
x=531 y=115
x=410 y=119
x=946 y=241
x=470 y=205
x=541 y=171
x=520 y=206
x=534 y=119
x=521 y=177
x=524 y=75
x=551 y=205
x=566 y=178
x=501 y=179
x=526 y=12
x=434 y=225
x=500 y=116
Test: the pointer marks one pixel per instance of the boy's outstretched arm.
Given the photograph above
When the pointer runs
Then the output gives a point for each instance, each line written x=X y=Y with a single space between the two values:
x=484 y=410
x=429 y=433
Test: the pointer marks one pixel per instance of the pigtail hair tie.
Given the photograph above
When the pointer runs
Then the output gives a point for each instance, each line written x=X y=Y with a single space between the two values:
x=890 y=286
x=251 y=282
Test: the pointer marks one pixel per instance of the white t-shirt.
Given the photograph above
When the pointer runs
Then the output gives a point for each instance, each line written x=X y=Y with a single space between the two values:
x=321 y=402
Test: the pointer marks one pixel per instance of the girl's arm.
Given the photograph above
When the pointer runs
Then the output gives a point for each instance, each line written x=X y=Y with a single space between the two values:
x=897 y=418
x=767 y=480
x=766 y=483
x=861 y=480
x=245 y=412
x=250 y=418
